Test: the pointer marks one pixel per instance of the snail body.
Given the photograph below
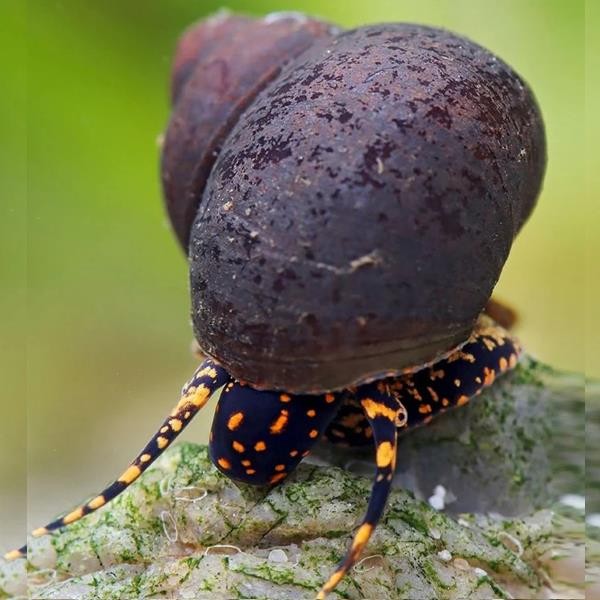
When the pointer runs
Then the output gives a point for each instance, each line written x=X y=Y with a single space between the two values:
x=347 y=201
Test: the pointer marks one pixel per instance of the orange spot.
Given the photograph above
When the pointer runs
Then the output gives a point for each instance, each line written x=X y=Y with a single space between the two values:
x=260 y=446
x=294 y=453
x=238 y=447
x=284 y=398
x=224 y=463
x=162 y=442
x=175 y=424
x=362 y=536
x=73 y=516
x=329 y=398
x=467 y=357
x=503 y=363
x=280 y=467
x=488 y=376
x=439 y=374
x=489 y=344
x=415 y=394
x=377 y=409
x=277 y=477
x=433 y=394
x=97 y=502
x=246 y=463
x=210 y=371
x=250 y=471
x=457 y=382
x=145 y=457
x=512 y=360
x=164 y=429
x=445 y=402
x=425 y=409
x=196 y=396
x=311 y=413
x=330 y=584
x=235 y=420
x=462 y=400
x=279 y=423
x=385 y=454
x=39 y=531
x=313 y=433
x=130 y=474
x=305 y=453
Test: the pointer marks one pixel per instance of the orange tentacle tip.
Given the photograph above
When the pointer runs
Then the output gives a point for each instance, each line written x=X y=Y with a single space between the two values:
x=14 y=555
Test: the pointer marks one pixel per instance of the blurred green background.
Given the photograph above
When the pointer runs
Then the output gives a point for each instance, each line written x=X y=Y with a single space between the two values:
x=94 y=297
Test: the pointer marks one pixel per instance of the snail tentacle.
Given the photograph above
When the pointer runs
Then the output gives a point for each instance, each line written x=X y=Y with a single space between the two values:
x=394 y=404
x=382 y=412
x=207 y=378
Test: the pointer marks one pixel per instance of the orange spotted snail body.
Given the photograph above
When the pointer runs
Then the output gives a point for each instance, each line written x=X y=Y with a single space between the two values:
x=347 y=200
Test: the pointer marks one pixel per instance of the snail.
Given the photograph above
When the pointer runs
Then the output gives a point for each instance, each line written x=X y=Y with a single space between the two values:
x=347 y=200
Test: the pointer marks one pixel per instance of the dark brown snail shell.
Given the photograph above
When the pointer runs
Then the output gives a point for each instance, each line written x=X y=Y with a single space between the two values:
x=361 y=207
x=221 y=64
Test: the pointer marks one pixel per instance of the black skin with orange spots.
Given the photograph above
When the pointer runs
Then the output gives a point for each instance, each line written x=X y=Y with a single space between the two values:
x=488 y=353
x=259 y=437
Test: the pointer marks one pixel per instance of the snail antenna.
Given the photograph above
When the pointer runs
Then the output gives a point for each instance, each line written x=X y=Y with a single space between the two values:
x=414 y=399
x=208 y=377
x=383 y=413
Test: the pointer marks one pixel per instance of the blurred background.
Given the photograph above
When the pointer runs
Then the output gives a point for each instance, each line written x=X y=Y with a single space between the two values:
x=95 y=328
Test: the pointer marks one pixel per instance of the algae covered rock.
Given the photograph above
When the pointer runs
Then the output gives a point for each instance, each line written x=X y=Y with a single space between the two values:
x=185 y=531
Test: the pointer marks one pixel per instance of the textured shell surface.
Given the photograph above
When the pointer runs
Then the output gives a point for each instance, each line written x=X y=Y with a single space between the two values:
x=221 y=64
x=362 y=208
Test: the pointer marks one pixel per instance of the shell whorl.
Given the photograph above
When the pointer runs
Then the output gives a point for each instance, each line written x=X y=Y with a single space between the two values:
x=361 y=207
